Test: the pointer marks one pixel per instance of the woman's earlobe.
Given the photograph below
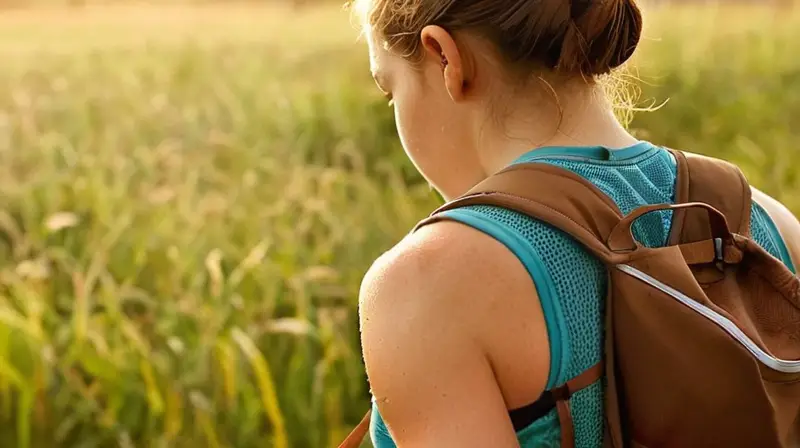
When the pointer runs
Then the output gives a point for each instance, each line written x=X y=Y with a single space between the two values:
x=454 y=82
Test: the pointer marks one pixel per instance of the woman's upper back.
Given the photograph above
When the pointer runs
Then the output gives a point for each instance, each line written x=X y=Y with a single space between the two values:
x=529 y=339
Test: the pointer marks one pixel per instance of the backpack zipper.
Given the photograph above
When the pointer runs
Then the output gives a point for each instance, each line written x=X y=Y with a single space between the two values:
x=723 y=322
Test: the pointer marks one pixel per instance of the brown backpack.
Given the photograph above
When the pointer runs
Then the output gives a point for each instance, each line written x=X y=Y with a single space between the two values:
x=702 y=345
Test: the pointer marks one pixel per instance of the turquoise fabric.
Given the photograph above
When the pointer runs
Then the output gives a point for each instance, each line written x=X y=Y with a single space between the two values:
x=767 y=235
x=377 y=429
x=645 y=175
x=571 y=284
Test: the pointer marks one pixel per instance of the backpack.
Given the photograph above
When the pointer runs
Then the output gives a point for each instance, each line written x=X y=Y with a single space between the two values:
x=702 y=336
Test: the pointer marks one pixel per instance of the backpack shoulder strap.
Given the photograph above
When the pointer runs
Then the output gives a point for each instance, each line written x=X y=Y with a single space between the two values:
x=550 y=194
x=359 y=433
x=717 y=183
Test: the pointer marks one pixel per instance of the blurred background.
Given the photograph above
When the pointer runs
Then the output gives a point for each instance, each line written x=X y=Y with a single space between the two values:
x=191 y=192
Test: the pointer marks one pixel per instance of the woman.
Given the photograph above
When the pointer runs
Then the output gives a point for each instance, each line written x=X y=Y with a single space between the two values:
x=459 y=336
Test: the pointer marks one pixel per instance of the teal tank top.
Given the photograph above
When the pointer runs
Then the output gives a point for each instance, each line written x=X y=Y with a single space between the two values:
x=573 y=307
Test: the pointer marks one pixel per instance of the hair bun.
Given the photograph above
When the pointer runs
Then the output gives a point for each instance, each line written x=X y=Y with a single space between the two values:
x=600 y=36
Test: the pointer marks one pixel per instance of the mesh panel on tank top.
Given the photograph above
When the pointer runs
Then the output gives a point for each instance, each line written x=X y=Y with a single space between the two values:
x=580 y=281
x=651 y=181
x=759 y=228
x=631 y=184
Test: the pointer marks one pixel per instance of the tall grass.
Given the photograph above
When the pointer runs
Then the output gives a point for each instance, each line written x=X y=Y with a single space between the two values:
x=190 y=203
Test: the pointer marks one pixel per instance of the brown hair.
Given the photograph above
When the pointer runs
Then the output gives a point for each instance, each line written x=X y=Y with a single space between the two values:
x=586 y=37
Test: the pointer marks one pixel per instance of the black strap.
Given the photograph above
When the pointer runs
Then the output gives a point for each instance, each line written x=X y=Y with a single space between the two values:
x=525 y=416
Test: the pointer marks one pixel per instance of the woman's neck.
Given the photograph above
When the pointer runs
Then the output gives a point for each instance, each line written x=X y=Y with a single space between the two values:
x=586 y=119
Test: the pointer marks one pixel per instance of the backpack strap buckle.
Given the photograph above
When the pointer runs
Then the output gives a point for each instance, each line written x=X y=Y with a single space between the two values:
x=719 y=253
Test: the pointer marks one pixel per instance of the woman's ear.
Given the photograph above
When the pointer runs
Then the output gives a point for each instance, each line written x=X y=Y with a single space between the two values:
x=441 y=49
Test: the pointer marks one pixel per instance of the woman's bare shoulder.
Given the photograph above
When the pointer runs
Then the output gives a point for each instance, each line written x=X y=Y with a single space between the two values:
x=784 y=220
x=434 y=313
x=451 y=261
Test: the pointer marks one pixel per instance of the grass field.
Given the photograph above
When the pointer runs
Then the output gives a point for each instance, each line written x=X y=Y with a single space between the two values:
x=191 y=196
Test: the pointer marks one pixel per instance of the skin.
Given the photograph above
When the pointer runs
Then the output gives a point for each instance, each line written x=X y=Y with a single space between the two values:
x=453 y=333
